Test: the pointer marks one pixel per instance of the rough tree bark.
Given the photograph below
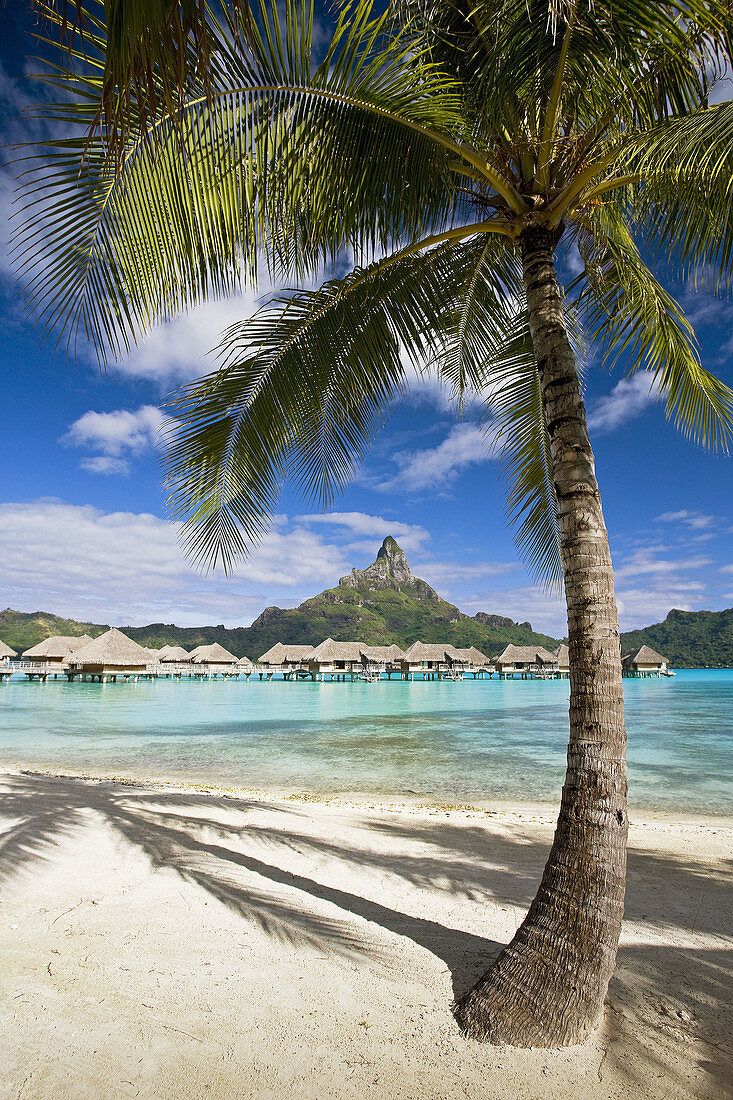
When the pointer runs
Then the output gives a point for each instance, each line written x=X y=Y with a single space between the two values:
x=548 y=986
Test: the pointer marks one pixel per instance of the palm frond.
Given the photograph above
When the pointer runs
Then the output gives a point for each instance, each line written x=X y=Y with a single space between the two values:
x=686 y=204
x=520 y=429
x=153 y=47
x=304 y=385
x=273 y=158
x=629 y=311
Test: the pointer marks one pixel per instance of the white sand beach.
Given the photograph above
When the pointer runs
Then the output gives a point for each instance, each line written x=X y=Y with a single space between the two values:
x=182 y=944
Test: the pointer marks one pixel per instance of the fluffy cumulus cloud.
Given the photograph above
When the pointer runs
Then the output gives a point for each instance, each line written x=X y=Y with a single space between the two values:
x=435 y=468
x=183 y=348
x=125 y=567
x=628 y=399
x=115 y=436
x=370 y=529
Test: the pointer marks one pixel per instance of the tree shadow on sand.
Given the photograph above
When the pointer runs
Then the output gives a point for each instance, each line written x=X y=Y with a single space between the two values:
x=660 y=995
x=44 y=811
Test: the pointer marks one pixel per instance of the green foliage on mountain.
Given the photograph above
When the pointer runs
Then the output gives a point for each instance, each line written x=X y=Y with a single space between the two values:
x=21 y=630
x=381 y=618
x=689 y=639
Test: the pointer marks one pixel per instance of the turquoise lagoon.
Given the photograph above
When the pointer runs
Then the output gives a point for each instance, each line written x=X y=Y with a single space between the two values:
x=470 y=742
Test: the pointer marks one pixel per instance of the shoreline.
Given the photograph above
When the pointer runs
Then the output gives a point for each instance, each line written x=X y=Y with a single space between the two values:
x=167 y=941
x=539 y=812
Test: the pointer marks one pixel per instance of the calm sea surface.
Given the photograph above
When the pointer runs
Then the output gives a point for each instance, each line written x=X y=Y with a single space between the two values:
x=453 y=742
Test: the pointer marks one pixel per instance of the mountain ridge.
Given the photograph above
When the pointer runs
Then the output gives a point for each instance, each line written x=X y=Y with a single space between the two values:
x=387 y=603
x=379 y=605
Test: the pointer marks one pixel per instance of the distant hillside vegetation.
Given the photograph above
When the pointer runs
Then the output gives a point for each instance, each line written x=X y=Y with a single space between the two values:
x=21 y=630
x=386 y=603
x=379 y=605
x=689 y=639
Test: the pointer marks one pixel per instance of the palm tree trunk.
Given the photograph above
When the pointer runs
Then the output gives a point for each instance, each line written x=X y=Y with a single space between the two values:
x=548 y=986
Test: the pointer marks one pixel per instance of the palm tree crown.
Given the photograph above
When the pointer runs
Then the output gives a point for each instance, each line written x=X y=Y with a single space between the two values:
x=436 y=142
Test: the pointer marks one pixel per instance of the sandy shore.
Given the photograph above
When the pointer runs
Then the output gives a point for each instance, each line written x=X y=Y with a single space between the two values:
x=180 y=944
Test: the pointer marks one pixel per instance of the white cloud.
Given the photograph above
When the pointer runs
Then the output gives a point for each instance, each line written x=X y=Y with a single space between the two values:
x=182 y=349
x=435 y=468
x=411 y=536
x=643 y=562
x=628 y=399
x=124 y=567
x=638 y=607
x=117 y=436
x=448 y=573
x=104 y=464
x=113 y=433
x=530 y=603
x=696 y=520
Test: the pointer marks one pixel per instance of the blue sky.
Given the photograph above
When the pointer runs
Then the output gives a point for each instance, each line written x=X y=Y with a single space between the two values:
x=83 y=527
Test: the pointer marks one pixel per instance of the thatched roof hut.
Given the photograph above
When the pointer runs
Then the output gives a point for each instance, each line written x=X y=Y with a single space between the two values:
x=387 y=654
x=562 y=656
x=520 y=656
x=428 y=653
x=172 y=654
x=57 y=649
x=214 y=654
x=330 y=652
x=281 y=654
x=112 y=651
x=644 y=659
x=472 y=656
x=6 y=651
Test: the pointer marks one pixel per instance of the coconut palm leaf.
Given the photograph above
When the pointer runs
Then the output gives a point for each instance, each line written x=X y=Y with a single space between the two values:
x=154 y=47
x=635 y=318
x=306 y=383
x=275 y=157
x=519 y=428
x=686 y=205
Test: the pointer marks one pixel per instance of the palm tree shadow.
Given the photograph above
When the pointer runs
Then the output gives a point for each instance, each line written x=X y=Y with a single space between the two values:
x=299 y=910
x=238 y=861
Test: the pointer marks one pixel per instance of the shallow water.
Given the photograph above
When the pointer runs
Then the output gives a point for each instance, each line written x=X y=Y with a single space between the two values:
x=451 y=742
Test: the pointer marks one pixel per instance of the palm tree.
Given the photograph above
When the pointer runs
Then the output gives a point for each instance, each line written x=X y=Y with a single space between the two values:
x=462 y=142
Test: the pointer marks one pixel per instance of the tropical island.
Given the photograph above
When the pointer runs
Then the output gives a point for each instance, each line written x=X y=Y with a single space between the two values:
x=386 y=604
x=218 y=888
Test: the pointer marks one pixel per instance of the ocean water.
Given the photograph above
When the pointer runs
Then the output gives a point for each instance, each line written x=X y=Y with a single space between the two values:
x=475 y=741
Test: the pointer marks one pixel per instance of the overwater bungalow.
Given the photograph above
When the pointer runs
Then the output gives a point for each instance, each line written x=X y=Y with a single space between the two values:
x=562 y=655
x=173 y=655
x=473 y=661
x=644 y=661
x=52 y=656
x=111 y=657
x=526 y=661
x=285 y=658
x=430 y=660
x=336 y=659
x=378 y=659
x=214 y=660
x=6 y=656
